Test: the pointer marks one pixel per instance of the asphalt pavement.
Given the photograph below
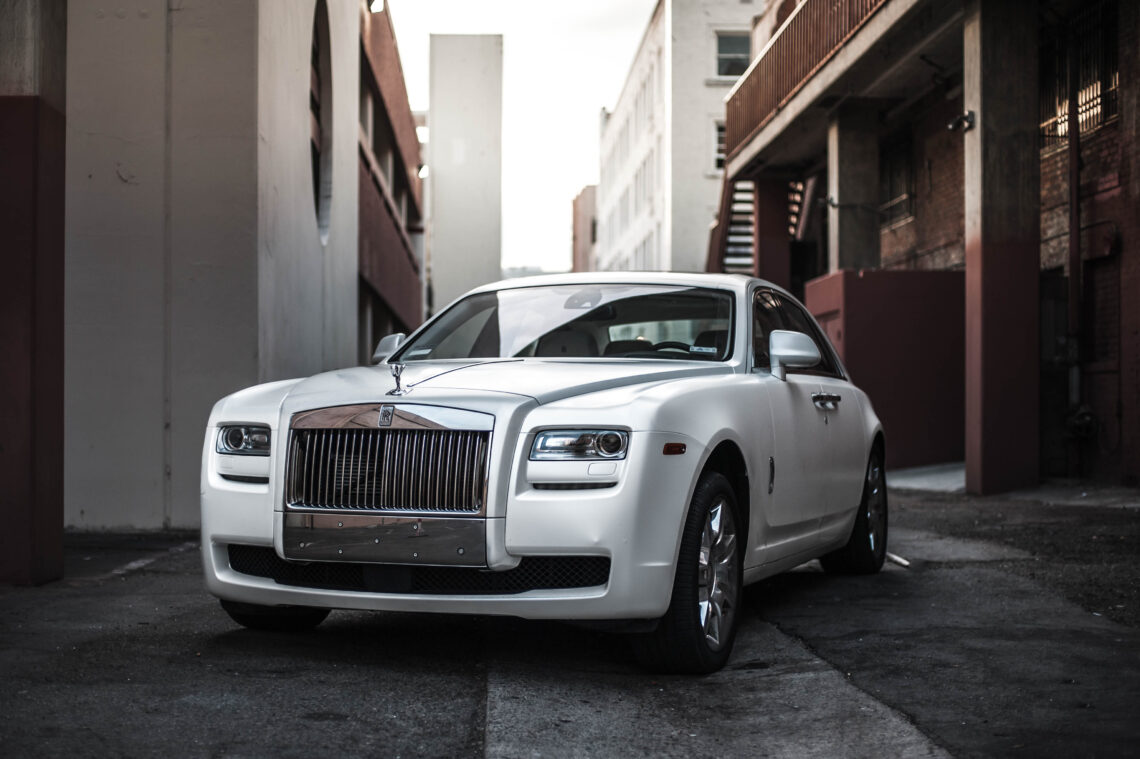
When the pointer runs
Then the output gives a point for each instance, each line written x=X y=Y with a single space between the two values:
x=982 y=645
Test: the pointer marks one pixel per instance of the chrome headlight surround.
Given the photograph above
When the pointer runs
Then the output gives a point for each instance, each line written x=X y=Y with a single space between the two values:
x=579 y=445
x=243 y=440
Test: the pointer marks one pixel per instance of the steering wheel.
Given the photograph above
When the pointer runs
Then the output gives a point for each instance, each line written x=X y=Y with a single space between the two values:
x=671 y=345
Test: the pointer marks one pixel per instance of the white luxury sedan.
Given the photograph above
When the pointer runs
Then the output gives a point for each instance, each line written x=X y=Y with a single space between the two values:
x=628 y=447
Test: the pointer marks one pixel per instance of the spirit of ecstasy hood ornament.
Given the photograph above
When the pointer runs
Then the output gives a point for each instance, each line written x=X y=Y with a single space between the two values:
x=397 y=370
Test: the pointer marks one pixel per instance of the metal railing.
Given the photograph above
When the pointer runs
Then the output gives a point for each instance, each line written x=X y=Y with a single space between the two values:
x=807 y=40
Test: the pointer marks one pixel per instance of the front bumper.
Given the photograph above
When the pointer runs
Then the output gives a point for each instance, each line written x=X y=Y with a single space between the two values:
x=551 y=516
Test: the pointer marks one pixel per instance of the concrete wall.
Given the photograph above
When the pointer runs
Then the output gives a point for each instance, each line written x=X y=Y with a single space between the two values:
x=115 y=240
x=193 y=267
x=306 y=287
x=465 y=156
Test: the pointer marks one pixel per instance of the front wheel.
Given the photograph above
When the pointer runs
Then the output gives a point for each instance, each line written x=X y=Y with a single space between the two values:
x=867 y=546
x=276 y=618
x=697 y=632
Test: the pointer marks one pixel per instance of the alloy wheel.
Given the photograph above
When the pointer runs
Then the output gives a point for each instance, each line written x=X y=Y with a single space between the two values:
x=717 y=574
x=876 y=505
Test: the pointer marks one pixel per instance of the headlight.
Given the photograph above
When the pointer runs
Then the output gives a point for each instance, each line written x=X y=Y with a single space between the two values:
x=553 y=445
x=243 y=440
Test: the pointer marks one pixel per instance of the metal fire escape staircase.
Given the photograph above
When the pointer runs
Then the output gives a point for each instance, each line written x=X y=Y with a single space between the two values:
x=731 y=243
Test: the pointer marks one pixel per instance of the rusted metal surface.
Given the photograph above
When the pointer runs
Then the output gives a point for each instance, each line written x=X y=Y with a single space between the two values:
x=806 y=41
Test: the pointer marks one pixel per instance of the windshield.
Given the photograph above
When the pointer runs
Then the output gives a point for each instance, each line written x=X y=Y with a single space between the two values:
x=581 y=321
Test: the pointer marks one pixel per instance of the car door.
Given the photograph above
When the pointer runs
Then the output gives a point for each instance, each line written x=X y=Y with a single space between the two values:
x=837 y=404
x=794 y=491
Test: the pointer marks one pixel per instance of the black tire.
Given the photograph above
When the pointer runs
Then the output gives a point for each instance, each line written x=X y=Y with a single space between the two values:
x=867 y=547
x=697 y=632
x=275 y=618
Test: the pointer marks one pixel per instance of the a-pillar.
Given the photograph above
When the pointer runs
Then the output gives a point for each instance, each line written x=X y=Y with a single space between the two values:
x=853 y=187
x=772 y=260
x=32 y=140
x=1002 y=230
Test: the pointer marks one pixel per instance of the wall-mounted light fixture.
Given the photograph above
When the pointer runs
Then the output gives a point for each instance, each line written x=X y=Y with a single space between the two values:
x=962 y=123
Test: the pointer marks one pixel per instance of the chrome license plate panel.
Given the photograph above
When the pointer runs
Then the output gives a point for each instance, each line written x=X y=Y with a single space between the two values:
x=385 y=539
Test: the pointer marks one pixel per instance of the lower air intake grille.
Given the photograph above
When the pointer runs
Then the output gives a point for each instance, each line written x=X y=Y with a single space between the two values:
x=532 y=573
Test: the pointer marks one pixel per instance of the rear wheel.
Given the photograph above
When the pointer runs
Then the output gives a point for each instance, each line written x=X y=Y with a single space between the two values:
x=277 y=618
x=697 y=632
x=867 y=546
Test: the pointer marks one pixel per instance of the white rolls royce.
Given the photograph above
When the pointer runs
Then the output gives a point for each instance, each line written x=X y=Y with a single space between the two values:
x=628 y=447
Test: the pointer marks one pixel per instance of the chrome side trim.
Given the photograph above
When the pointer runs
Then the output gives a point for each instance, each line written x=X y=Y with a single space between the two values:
x=436 y=541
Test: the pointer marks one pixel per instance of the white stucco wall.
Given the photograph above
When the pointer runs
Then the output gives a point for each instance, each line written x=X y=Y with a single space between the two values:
x=168 y=139
x=687 y=187
x=465 y=158
x=698 y=96
x=634 y=149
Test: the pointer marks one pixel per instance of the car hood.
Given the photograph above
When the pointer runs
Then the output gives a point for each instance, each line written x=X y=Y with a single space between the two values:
x=543 y=380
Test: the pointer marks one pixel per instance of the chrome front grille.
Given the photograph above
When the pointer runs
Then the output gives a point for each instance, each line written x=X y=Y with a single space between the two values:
x=433 y=470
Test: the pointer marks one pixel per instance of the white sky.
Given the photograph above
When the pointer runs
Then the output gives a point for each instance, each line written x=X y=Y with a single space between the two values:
x=562 y=62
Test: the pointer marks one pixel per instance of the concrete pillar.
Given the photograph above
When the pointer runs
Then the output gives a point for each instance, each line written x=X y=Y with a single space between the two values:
x=772 y=259
x=33 y=44
x=1002 y=219
x=853 y=188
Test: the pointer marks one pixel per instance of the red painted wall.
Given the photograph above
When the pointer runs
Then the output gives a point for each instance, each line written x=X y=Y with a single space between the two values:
x=901 y=335
x=31 y=340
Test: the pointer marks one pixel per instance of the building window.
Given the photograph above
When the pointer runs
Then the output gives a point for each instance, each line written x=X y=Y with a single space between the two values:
x=719 y=160
x=896 y=182
x=1086 y=41
x=732 y=52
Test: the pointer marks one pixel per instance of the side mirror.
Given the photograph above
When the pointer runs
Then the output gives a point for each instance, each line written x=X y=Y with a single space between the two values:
x=793 y=349
x=387 y=346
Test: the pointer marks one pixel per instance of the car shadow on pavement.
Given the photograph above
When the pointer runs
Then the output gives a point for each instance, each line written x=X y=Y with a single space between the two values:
x=412 y=642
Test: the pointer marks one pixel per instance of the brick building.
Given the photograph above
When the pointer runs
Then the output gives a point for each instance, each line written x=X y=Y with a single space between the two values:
x=953 y=187
x=391 y=193
x=584 y=229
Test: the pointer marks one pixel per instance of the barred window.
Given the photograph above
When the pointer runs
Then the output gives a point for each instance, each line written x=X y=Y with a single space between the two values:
x=1086 y=41
x=896 y=182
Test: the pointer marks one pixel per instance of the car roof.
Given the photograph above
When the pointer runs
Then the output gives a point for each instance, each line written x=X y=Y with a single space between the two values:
x=737 y=282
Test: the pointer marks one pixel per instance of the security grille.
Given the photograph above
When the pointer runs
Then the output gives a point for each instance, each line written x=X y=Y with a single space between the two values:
x=387 y=470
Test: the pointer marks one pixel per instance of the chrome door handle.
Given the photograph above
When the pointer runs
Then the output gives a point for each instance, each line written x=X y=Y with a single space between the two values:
x=829 y=401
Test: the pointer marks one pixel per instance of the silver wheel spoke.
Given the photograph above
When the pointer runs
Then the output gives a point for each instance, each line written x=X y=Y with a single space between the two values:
x=716 y=573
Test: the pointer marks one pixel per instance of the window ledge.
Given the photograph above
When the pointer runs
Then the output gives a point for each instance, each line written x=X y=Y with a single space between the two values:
x=721 y=81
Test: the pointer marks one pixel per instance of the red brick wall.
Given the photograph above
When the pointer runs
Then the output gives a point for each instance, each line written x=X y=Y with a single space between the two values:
x=1127 y=218
x=379 y=41
x=386 y=259
x=1110 y=222
x=1110 y=245
x=933 y=238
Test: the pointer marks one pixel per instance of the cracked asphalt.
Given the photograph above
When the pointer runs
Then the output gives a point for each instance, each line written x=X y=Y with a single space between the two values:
x=1012 y=633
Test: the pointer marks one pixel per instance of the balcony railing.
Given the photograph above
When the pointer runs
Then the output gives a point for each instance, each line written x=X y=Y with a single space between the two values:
x=806 y=41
